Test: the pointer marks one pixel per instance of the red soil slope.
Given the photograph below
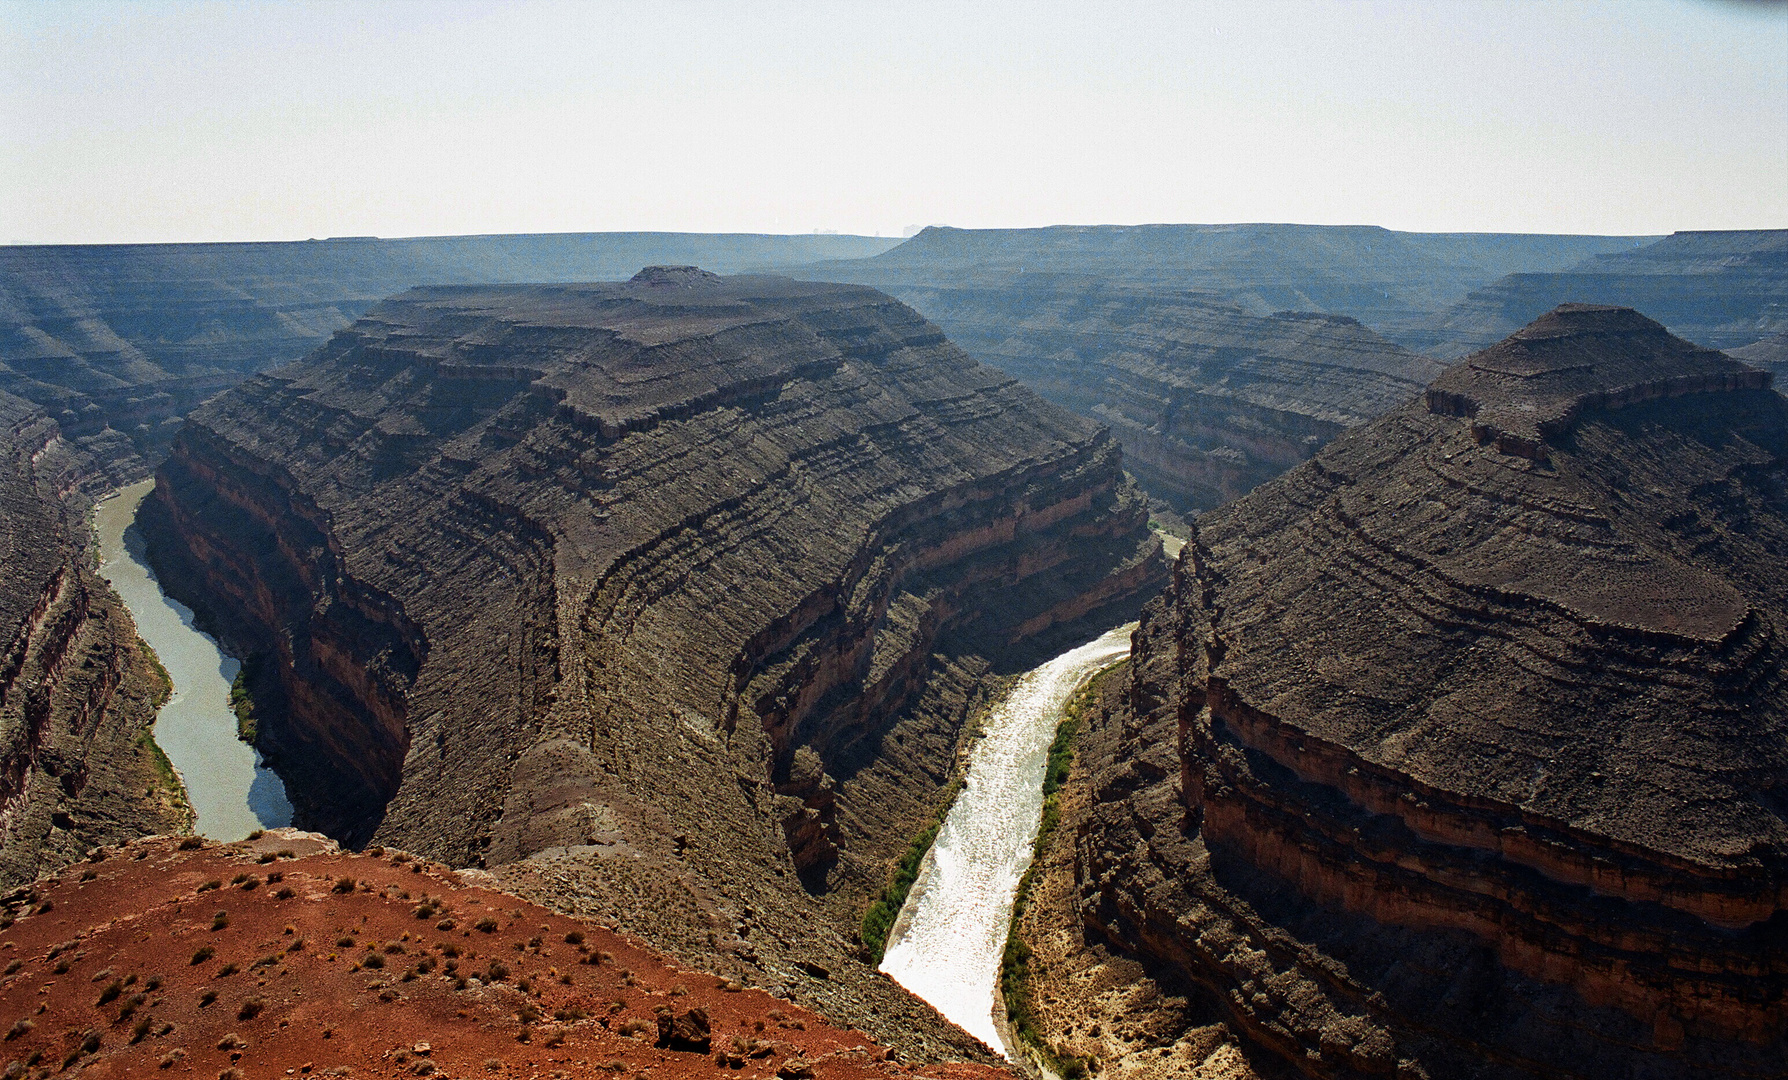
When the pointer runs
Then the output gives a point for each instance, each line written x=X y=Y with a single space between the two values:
x=150 y=960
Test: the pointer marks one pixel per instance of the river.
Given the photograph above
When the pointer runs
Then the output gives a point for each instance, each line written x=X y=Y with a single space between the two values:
x=947 y=943
x=231 y=791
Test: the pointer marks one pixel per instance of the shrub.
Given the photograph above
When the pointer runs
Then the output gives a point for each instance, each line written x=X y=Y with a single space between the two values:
x=204 y=953
x=192 y=843
x=343 y=884
x=207 y=998
x=575 y=937
x=209 y=885
x=250 y=1009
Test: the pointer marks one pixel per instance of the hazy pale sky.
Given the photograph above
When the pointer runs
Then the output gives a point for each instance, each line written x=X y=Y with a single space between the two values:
x=172 y=121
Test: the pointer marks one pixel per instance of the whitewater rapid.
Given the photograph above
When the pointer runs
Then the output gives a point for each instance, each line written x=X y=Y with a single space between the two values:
x=230 y=790
x=947 y=943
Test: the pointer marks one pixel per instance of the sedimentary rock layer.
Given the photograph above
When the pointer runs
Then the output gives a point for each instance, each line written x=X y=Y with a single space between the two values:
x=1459 y=751
x=1384 y=278
x=1206 y=399
x=1719 y=289
x=117 y=341
x=667 y=597
x=78 y=690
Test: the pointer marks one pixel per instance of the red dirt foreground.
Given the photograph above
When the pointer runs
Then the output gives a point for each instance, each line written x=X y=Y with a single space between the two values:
x=283 y=956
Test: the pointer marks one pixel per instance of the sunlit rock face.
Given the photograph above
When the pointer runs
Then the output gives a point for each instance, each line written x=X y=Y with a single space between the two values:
x=671 y=596
x=1460 y=749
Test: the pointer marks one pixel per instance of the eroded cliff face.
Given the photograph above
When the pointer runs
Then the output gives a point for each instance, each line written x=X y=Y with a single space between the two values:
x=1459 y=750
x=668 y=599
x=78 y=690
x=1207 y=399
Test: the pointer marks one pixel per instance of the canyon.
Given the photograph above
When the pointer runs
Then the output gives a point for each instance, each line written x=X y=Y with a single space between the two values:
x=1457 y=750
x=668 y=602
x=1207 y=400
x=78 y=689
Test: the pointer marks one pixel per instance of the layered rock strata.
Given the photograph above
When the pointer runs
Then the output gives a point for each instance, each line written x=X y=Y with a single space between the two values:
x=78 y=689
x=1207 y=400
x=1385 y=278
x=1459 y=751
x=1719 y=289
x=635 y=592
x=116 y=342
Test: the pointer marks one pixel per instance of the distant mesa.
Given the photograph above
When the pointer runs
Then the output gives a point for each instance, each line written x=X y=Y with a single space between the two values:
x=1458 y=750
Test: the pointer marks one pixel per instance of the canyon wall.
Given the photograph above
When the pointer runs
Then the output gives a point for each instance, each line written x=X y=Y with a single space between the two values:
x=117 y=341
x=668 y=601
x=78 y=689
x=1206 y=399
x=1458 y=750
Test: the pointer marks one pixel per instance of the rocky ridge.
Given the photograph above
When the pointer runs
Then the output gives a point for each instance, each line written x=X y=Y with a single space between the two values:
x=666 y=600
x=116 y=342
x=78 y=689
x=1207 y=399
x=1457 y=751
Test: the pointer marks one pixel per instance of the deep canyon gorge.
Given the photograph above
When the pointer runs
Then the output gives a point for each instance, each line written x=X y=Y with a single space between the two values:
x=1451 y=745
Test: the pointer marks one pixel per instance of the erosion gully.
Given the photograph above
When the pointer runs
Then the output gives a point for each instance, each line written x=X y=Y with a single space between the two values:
x=231 y=791
x=947 y=943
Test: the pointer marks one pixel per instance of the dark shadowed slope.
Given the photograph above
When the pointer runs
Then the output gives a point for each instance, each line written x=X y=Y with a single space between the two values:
x=1480 y=720
x=670 y=598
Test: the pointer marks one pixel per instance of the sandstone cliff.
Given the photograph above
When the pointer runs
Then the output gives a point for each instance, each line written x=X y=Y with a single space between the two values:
x=78 y=690
x=1206 y=399
x=668 y=598
x=1459 y=750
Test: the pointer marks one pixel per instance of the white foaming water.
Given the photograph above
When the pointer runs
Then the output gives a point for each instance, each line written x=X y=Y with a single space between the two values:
x=231 y=792
x=951 y=933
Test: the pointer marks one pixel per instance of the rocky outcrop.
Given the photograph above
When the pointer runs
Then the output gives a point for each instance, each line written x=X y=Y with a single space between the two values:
x=78 y=689
x=1719 y=289
x=117 y=342
x=1770 y=354
x=665 y=598
x=1458 y=751
x=1207 y=400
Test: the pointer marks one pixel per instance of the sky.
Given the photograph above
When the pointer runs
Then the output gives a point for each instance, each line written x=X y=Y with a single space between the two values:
x=174 y=121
